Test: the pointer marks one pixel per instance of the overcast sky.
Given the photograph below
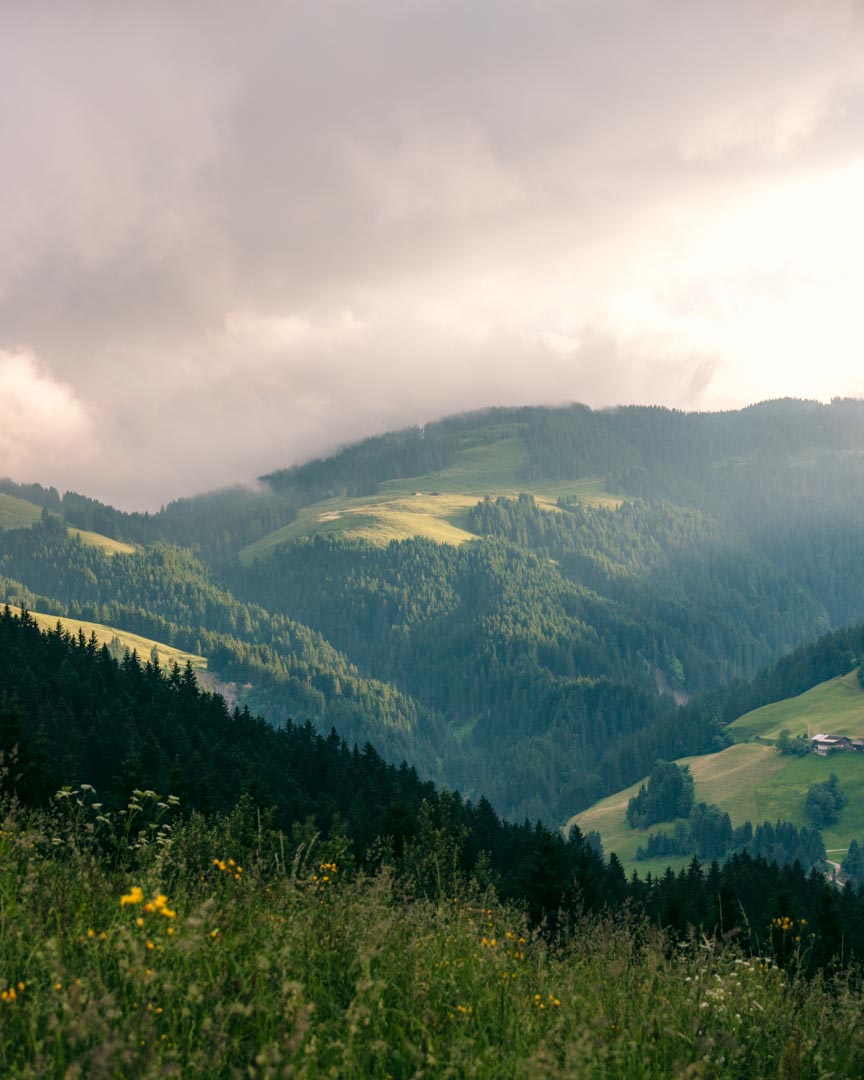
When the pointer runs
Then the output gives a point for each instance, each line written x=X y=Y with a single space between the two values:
x=233 y=236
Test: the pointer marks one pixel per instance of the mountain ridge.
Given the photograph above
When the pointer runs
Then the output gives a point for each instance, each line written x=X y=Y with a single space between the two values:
x=606 y=546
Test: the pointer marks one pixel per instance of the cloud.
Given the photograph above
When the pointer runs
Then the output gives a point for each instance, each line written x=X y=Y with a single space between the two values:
x=243 y=234
x=43 y=424
x=439 y=175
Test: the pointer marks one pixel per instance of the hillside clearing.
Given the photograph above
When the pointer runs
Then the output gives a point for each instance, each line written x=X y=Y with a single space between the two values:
x=835 y=707
x=752 y=781
x=18 y=513
x=109 y=546
x=435 y=505
x=167 y=654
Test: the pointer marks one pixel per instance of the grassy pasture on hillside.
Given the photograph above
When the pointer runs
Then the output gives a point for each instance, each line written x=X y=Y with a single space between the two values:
x=109 y=546
x=753 y=781
x=18 y=513
x=168 y=655
x=729 y=778
x=835 y=707
x=435 y=505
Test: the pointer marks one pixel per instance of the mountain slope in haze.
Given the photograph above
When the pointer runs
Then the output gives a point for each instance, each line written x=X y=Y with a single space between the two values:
x=166 y=594
x=435 y=505
x=730 y=539
x=71 y=714
x=18 y=513
x=612 y=554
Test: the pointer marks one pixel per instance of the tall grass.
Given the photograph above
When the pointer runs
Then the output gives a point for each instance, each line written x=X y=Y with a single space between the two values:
x=132 y=949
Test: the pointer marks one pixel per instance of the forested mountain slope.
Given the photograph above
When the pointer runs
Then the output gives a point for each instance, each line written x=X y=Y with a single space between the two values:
x=164 y=592
x=510 y=599
x=70 y=714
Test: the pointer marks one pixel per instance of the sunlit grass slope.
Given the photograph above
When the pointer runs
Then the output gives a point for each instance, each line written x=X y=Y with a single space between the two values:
x=751 y=780
x=834 y=707
x=109 y=546
x=435 y=505
x=167 y=654
x=17 y=513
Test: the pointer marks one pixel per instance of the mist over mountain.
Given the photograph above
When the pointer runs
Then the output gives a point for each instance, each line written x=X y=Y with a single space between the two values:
x=234 y=238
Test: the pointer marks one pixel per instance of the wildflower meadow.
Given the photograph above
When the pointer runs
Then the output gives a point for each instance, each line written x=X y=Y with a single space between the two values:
x=216 y=948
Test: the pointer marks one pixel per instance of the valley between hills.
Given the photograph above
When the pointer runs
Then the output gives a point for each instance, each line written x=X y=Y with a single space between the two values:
x=750 y=780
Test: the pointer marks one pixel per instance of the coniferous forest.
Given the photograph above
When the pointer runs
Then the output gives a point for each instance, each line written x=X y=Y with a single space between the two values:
x=340 y=853
x=726 y=541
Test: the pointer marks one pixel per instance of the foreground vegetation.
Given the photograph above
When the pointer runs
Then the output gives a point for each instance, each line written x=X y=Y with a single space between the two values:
x=308 y=910
x=222 y=949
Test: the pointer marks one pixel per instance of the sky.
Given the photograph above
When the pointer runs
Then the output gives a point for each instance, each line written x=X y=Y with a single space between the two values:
x=235 y=236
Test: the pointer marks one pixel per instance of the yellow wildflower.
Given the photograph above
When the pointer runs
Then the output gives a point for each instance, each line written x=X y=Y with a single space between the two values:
x=134 y=896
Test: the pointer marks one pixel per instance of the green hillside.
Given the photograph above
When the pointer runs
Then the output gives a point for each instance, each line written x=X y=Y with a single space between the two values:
x=434 y=505
x=834 y=707
x=109 y=546
x=752 y=781
x=17 y=513
x=105 y=635
x=163 y=916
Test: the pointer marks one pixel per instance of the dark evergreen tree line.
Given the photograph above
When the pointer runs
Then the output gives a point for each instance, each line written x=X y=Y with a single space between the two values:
x=708 y=834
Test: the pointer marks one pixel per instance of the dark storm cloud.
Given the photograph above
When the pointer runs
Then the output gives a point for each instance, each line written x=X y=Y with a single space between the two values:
x=236 y=235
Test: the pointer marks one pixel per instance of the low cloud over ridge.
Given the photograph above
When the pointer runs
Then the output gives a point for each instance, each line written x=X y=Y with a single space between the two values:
x=242 y=235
